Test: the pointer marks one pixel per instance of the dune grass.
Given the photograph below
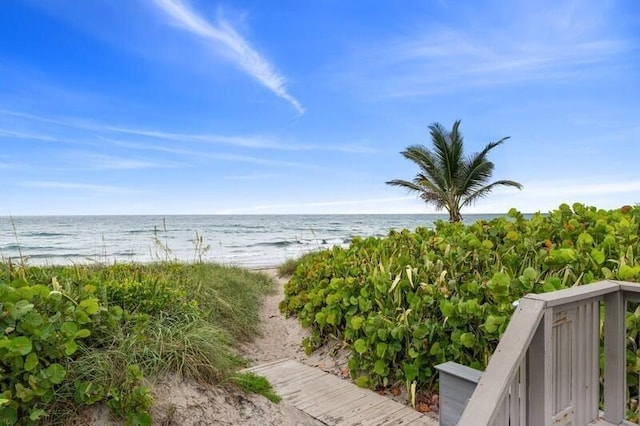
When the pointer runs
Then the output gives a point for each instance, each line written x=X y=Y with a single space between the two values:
x=251 y=382
x=146 y=321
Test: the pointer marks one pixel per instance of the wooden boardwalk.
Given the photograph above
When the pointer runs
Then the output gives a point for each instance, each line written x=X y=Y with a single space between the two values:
x=334 y=401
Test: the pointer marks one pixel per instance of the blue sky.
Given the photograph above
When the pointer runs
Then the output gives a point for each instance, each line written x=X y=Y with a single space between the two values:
x=289 y=106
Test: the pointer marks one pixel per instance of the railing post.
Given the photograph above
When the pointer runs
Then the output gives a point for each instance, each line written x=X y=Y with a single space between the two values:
x=614 y=357
x=539 y=366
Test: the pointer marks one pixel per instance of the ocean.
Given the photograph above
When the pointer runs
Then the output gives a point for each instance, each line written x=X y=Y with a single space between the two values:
x=249 y=241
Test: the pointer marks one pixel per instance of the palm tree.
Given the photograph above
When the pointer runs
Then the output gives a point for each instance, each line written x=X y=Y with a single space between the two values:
x=447 y=178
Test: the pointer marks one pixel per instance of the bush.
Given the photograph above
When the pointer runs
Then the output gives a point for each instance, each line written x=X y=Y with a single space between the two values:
x=412 y=300
x=75 y=336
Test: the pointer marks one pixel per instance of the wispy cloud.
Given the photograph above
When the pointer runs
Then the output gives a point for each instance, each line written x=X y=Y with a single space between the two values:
x=256 y=141
x=255 y=176
x=210 y=155
x=293 y=206
x=95 y=161
x=566 y=42
x=237 y=49
x=429 y=71
x=30 y=136
x=77 y=186
x=242 y=141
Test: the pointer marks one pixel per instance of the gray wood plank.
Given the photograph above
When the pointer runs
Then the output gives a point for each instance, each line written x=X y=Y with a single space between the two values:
x=307 y=399
x=346 y=411
x=614 y=357
x=332 y=400
x=377 y=410
x=393 y=416
x=408 y=419
x=267 y=366
x=336 y=412
x=316 y=385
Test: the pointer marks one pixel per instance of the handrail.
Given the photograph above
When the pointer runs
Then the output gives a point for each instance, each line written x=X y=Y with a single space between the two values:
x=482 y=407
x=576 y=294
x=488 y=402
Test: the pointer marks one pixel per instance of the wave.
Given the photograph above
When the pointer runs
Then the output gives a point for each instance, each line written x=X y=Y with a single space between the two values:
x=123 y=253
x=60 y=255
x=281 y=243
x=139 y=231
x=16 y=247
x=47 y=234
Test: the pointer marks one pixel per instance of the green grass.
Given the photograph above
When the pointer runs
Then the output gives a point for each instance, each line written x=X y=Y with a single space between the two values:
x=252 y=383
x=287 y=268
x=153 y=320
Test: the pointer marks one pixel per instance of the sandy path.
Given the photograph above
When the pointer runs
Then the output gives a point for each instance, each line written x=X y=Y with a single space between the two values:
x=282 y=337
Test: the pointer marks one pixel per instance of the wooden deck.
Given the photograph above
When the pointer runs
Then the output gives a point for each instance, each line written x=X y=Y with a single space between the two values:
x=333 y=401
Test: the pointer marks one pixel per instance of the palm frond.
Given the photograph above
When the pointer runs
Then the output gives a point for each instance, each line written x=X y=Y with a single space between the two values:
x=429 y=166
x=447 y=155
x=477 y=169
x=484 y=191
x=405 y=184
x=426 y=190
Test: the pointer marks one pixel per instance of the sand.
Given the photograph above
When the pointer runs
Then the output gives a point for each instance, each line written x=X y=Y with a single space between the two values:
x=281 y=338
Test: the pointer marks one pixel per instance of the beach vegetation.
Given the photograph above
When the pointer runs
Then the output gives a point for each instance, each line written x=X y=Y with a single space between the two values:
x=77 y=335
x=447 y=178
x=287 y=268
x=253 y=383
x=412 y=300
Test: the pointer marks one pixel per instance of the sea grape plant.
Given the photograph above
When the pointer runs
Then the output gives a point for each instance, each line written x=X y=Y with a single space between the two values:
x=45 y=323
x=409 y=301
x=43 y=328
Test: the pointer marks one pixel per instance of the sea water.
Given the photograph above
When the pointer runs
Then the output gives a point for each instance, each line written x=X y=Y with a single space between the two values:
x=250 y=241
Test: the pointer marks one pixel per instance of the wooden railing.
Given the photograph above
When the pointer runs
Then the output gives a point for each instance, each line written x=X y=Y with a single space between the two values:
x=546 y=367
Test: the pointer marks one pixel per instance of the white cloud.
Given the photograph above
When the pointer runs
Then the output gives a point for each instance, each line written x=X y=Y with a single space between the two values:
x=235 y=47
x=524 y=43
x=211 y=155
x=372 y=205
x=255 y=176
x=95 y=161
x=77 y=186
x=242 y=141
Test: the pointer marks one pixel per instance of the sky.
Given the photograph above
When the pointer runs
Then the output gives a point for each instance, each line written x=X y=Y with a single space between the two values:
x=298 y=107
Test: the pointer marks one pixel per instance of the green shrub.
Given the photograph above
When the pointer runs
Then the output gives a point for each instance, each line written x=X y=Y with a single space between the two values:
x=43 y=329
x=412 y=300
x=75 y=336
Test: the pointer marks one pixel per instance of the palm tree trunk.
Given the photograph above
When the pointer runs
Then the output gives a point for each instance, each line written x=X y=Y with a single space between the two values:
x=454 y=215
